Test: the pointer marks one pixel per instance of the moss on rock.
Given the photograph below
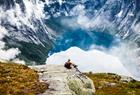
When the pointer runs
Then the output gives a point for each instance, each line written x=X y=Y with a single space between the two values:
x=81 y=86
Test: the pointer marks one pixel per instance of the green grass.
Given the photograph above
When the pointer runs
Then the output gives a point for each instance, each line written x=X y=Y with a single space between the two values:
x=102 y=79
x=18 y=79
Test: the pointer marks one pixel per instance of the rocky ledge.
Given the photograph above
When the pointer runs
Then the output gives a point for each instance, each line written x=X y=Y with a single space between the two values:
x=64 y=82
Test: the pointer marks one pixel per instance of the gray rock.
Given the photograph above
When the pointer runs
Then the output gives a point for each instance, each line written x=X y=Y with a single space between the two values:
x=64 y=82
x=126 y=79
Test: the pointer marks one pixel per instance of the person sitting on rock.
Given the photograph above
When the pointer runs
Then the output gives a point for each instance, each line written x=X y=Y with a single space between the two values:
x=69 y=65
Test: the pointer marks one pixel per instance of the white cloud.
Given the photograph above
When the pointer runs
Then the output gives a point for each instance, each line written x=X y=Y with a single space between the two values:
x=15 y=17
x=128 y=55
x=6 y=54
x=78 y=10
x=93 y=60
x=2 y=44
x=3 y=32
x=9 y=54
x=83 y=21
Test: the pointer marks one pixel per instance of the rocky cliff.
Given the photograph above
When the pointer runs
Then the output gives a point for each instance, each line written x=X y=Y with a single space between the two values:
x=64 y=82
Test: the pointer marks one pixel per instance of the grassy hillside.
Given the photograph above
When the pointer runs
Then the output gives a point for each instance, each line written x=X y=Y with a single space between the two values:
x=111 y=84
x=19 y=80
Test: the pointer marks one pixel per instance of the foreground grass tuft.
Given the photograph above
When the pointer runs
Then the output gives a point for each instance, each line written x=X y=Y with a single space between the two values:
x=111 y=84
x=18 y=79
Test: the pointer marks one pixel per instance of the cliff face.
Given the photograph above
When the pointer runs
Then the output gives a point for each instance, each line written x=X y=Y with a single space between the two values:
x=64 y=82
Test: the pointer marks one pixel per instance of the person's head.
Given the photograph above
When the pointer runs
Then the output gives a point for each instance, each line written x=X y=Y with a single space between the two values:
x=68 y=60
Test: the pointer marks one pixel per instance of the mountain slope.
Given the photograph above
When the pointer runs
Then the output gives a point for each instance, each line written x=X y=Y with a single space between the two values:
x=112 y=84
x=16 y=79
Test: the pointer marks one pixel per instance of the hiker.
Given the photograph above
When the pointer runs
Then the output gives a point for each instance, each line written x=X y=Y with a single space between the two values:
x=79 y=74
x=69 y=65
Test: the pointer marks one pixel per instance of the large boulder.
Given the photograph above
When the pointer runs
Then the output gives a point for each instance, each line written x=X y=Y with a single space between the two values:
x=64 y=82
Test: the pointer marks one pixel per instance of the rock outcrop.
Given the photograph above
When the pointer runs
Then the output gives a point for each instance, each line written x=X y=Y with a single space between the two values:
x=64 y=82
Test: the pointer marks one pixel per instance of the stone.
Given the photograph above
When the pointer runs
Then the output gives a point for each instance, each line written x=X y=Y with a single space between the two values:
x=63 y=81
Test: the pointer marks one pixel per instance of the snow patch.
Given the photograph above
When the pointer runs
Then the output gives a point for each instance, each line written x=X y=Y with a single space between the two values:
x=120 y=13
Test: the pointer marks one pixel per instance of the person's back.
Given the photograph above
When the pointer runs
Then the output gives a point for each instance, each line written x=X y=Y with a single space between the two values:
x=68 y=64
